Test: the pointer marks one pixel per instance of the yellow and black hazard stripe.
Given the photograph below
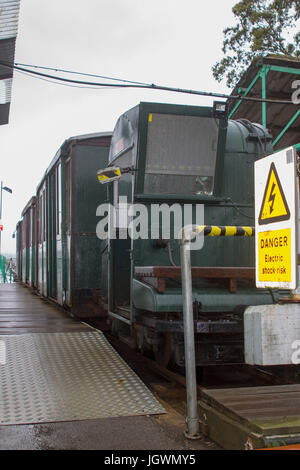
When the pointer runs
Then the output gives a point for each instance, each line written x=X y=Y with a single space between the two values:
x=106 y=175
x=226 y=231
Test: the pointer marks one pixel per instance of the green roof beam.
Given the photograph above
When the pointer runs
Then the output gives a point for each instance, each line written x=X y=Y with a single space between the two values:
x=286 y=127
x=277 y=68
x=263 y=74
x=245 y=94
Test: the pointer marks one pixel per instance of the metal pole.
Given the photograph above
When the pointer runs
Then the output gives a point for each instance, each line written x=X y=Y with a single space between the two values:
x=192 y=431
x=187 y=234
x=264 y=96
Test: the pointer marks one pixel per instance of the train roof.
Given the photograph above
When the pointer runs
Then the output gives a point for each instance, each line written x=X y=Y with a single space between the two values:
x=77 y=138
x=28 y=205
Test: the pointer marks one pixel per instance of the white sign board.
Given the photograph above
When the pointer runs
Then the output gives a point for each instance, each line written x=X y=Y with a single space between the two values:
x=275 y=220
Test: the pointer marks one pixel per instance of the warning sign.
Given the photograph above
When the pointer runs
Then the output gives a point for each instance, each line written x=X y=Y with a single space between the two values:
x=274 y=262
x=275 y=214
x=274 y=207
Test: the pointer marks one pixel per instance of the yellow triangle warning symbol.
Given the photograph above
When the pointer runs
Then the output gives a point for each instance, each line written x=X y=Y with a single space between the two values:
x=274 y=206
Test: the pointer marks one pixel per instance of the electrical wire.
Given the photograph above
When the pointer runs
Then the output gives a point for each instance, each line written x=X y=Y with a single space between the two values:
x=79 y=73
x=234 y=205
x=144 y=86
x=64 y=84
x=171 y=259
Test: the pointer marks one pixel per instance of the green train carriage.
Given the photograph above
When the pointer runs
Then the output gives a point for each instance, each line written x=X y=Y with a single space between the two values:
x=184 y=155
x=57 y=246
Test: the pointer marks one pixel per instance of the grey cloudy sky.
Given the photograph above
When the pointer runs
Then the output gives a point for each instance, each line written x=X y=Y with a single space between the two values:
x=167 y=42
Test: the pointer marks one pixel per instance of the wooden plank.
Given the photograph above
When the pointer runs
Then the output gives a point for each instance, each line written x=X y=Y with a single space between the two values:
x=197 y=272
x=273 y=414
x=252 y=400
x=225 y=392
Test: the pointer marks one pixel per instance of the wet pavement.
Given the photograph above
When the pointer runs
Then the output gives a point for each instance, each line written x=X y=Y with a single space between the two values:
x=22 y=312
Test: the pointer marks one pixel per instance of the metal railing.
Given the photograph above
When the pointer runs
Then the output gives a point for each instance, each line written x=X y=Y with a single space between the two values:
x=6 y=270
x=188 y=234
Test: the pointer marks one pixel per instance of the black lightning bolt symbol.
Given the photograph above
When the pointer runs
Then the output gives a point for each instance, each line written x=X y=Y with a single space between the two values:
x=272 y=198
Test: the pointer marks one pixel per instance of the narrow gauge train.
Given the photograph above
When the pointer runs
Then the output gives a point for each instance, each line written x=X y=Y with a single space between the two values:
x=177 y=154
x=57 y=246
x=185 y=155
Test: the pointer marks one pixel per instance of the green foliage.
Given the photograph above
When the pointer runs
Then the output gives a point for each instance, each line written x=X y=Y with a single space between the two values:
x=262 y=27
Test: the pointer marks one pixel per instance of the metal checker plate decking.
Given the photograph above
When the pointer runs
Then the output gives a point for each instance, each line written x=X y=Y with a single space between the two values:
x=68 y=376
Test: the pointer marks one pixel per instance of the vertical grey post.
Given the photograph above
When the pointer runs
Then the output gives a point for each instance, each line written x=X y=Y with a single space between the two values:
x=192 y=419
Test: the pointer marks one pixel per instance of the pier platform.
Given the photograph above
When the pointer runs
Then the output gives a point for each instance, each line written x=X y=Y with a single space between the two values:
x=63 y=386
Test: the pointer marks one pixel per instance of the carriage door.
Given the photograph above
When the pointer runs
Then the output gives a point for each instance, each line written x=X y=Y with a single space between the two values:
x=120 y=255
x=42 y=249
x=52 y=216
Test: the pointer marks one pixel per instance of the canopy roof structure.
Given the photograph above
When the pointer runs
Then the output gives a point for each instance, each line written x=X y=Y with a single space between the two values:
x=271 y=77
x=9 y=17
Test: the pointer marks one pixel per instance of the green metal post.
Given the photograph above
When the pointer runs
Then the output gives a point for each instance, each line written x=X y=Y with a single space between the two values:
x=263 y=74
x=286 y=127
x=245 y=94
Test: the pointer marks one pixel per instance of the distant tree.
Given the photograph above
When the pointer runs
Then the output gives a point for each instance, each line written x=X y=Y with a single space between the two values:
x=262 y=27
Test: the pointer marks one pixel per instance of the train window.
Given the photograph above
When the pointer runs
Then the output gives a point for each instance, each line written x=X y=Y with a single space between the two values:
x=40 y=218
x=33 y=225
x=181 y=154
x=68 y=196
x=44 y=216
x=125 y=160
x=28 y=229
x=122 y=139
x=58 y=200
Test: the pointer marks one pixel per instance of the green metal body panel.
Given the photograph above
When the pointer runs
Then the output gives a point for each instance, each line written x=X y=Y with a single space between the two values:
x=26 y=234
x=212 y=299
x=19 y=249
x=51 y=233
x=32 y=278
x=27 y=263
x=87 y=197
x=41 y=238
x=24 y=265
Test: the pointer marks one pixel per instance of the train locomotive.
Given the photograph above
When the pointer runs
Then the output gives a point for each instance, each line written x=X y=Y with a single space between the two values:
x=169 y=155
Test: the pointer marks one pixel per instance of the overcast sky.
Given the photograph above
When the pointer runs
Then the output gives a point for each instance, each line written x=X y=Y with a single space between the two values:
x=167 y=42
